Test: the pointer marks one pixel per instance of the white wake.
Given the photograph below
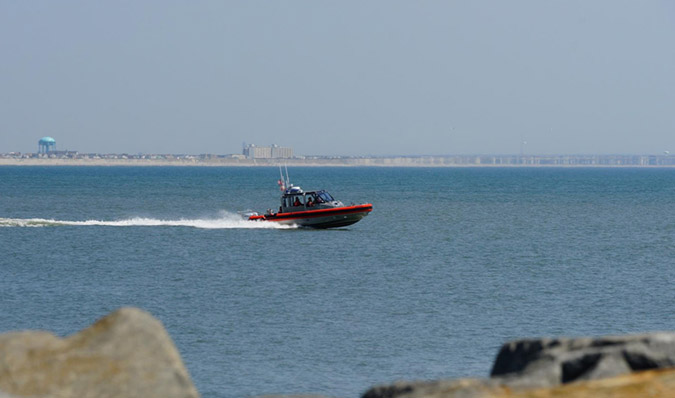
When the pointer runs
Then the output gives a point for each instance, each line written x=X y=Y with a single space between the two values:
x=225 y=221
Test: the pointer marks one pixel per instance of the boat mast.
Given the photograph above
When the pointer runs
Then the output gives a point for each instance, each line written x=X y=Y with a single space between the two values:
x=284 y=181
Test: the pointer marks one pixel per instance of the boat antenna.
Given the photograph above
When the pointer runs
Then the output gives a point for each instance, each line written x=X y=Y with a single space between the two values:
x=288 y=178
x=281 y=182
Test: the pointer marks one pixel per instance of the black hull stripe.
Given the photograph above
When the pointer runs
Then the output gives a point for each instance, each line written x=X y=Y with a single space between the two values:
x=332 y=224
x=320 y=213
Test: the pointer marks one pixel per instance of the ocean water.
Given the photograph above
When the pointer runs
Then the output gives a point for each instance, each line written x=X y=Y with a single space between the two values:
x=450 y=264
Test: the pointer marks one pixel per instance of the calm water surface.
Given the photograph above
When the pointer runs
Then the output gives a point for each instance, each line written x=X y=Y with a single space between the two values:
x=449 y=265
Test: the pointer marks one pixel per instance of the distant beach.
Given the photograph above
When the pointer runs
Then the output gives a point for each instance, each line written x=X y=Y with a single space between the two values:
x=393 y=161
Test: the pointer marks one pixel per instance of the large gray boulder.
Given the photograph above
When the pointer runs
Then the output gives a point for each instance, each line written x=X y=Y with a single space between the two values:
x=125 y=354
x=550 y=362
x=603 y=367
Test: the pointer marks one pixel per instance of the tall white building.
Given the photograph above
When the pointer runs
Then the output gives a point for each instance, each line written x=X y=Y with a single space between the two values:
x=252 y=151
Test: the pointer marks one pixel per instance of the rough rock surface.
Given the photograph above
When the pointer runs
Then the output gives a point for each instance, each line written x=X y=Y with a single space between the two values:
x=289 y=396
x=125 y=354
x=550 y=362
x=464 y=388
x=645 y=384
x=621 y=366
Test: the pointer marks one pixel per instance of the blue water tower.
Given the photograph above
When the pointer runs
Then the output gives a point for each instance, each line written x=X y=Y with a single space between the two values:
x=46 y=144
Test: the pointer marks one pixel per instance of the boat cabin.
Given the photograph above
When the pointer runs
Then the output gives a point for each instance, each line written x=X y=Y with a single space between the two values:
x=295 y=199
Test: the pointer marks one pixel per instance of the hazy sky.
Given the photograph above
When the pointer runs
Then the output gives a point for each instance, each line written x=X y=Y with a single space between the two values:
x=339 y=77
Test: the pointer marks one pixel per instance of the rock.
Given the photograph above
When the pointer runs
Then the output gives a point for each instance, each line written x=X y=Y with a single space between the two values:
x=550 y=362
x=288 y=396
x=616 y=366
x=462 y=388
x=125 y=354
x=644 y=384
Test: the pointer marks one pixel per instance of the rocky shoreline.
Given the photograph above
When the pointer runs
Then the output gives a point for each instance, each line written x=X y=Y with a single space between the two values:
x=128 y=353
x=613 y=366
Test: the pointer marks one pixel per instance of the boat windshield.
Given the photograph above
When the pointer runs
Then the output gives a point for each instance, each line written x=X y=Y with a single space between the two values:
x=325 y=197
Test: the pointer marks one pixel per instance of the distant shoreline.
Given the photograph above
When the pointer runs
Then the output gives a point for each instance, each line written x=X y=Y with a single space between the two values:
x=430 y=161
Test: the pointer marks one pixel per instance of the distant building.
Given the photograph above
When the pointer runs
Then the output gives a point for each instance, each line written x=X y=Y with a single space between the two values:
x=46 y=145
x=281 y=152
x=252 y=151
x=64 y=154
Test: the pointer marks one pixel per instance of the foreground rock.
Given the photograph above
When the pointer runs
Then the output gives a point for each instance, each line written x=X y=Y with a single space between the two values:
x=126 y=354
x=550 y=362
x=622 y=366
x=645 y=384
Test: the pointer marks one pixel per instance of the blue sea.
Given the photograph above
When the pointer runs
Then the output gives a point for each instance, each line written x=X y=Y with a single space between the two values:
x=451 y=263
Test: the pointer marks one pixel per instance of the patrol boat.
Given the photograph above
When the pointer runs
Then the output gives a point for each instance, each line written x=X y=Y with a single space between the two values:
x=313 y=209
